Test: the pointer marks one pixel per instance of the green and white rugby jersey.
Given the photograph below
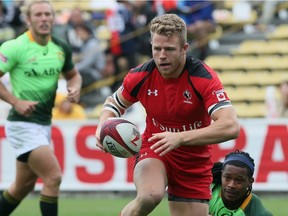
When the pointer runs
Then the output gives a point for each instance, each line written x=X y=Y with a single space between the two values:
x=34 y=73
x=252 y=205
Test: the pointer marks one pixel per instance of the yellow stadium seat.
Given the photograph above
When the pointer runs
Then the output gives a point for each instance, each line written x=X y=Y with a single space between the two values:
x=236 y=78
x=250 y=110
x=265 y=78
x=246 y=93
x=281 y=32
x=262 y=47
x=217 y=62
x=276 y=47
x=250 y=47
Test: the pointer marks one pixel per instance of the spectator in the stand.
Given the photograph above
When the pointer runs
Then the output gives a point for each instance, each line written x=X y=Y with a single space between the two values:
x=14 y=17
x=65 y=110
x=164 y=6
x=3 y=13
x=282 y=106
x=144 y=13
x=76 y=18
x=123 y=42
x=200 y=23
x=277 y=100
x=7 y=32
x=268 y=12
x=90 y=62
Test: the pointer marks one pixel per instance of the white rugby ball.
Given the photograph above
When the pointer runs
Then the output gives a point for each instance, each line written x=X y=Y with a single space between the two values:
x=120 y=137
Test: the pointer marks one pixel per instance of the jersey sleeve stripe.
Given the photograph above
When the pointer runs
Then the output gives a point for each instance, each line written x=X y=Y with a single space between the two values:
x=113 y=109
x=118 y=101
x=218 y=106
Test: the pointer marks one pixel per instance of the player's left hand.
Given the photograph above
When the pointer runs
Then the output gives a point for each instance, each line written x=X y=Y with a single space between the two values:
x=165 y=142
x=73 y=94
x=98 y=142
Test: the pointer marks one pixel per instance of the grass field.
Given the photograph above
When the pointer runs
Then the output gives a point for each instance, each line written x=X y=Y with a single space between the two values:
x=111 y=206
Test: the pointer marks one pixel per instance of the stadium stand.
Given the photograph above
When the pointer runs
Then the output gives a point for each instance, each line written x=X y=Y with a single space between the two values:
x=253 y=77
x=249 y=62
x=281 y=32
x=246 y=58
x=262 y=47
x=250 y=110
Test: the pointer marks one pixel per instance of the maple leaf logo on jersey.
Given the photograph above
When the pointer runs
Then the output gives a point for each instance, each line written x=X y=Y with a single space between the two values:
x=220 y=96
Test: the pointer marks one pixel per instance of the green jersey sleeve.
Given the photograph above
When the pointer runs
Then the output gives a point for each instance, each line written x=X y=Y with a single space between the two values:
x=8 y=55
x=68 y=63
x=255 y=207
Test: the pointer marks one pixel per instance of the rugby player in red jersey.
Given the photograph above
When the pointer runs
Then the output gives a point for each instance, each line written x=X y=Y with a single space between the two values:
x=187 y=110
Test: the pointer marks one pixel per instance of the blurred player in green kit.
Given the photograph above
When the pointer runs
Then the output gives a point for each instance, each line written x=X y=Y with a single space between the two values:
x=34 y=61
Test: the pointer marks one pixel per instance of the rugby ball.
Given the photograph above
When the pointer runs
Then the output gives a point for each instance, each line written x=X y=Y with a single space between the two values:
x=120 y=137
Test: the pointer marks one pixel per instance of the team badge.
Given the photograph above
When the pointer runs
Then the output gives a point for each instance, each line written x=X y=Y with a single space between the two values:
x=187 y=97
x=60 y=56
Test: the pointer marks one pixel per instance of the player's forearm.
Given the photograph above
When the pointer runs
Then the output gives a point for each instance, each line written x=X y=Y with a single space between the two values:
x=74 y=81
x=7 y=96
x=217 y=132
x=110 y=109
x=212 y=134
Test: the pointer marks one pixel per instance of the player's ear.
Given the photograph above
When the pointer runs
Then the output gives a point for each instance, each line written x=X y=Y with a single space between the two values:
x=185 y=48
x=251 y=181
x=28 y=21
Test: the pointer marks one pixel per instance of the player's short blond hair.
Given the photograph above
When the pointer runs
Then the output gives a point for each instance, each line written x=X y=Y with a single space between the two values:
x=26 y=8
x=168 y=25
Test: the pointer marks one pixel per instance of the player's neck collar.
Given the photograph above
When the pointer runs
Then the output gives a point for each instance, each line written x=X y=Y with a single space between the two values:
x=32 y=39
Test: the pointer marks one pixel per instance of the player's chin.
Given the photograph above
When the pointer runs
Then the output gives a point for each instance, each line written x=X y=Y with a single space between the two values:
x=167 y=73
x=230 y=196
x=44 y=32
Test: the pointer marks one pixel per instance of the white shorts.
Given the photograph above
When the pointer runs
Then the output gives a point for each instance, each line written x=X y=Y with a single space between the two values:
x=26 y=136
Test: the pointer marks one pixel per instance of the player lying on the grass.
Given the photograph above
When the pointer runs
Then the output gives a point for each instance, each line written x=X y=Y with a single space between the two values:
x=232 y=187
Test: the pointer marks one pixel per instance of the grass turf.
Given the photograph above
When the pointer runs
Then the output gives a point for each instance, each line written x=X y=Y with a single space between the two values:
x=111 y=206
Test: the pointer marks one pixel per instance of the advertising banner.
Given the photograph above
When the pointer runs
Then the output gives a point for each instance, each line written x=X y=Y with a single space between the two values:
x=86 y=168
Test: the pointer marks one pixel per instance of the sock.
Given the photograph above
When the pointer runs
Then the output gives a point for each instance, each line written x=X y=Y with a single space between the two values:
x=48 y=205
x=7 y=203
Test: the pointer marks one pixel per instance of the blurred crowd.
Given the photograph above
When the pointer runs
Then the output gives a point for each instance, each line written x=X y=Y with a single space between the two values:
x=108 y=42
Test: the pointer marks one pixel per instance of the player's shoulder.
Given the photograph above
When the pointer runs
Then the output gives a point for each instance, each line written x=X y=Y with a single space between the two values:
x=60 y=42
x=255 y=206
x=255 y=199
x=215 y=188
x=148 y=66
x=197 y=68
x=16 y=43
x=13 y=48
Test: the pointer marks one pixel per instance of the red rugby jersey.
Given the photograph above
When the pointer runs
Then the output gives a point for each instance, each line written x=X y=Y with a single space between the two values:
x=180 y=104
